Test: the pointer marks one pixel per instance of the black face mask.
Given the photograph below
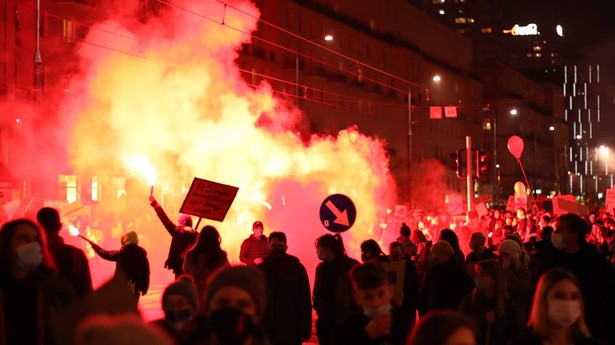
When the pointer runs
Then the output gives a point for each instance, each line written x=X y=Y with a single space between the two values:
x=276 y=254
x=176 y=316
x=231 y=326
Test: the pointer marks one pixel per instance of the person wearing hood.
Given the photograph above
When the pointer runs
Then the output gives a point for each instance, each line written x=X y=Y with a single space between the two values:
x=182 y=321
x=288 y=315
x=254 y=248
x=518 y=275
x=446 y=282
x=182 y=237
x=131 y=260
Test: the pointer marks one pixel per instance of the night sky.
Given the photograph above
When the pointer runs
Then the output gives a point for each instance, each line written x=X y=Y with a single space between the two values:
x=589 y=27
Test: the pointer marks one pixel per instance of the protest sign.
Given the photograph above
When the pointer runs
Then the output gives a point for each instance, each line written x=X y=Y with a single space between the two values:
x=207 y=199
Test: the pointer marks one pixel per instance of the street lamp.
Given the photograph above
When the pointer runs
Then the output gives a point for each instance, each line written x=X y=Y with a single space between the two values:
x=513 y=112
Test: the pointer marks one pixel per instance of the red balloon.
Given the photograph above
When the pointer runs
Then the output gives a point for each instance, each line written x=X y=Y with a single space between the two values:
x=515 y=146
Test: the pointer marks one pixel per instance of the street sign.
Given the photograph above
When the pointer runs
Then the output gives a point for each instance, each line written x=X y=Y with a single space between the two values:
x=337 y=213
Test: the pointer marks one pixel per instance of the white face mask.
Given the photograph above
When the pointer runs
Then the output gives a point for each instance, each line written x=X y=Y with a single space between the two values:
x=371 y=313
x=564 y=313
x=29 y=256
x=557 y=241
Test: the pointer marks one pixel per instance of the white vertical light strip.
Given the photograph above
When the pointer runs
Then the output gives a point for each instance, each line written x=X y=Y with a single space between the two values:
x=574 y=89
x=580 y=127
x=580 y=184
x=574 y=130
x=579 y=115
x=596 y=183
x=566 y=115
x=576 y=167
x=585 y=94
x=586 y=169
x=589 y=115
x=591 y=167
x=591 y=130
x=571 y=184
x=598 y=74
x=587 y=153
x=598 y=106
x=575 y=74
x=611 y=180
x=564 y=88
x=570 y=102
x=590 y=73
x=570 y=154
x=565 y=76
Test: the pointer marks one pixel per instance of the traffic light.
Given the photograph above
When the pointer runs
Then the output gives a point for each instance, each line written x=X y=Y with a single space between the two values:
x=458 y=162
x=482 y=163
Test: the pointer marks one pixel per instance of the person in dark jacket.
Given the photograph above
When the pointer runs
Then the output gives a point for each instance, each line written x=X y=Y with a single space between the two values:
x=288 y=315
x=411 y=280
x=72 y=263
x=182 y=237
x=479 y=252
x=445 y=283
x=595 y=274
x=130 y=259
x=30 y=290
x=378 y=323
x=182 y=321
x=332 y=293
x=489 y=306
x=557 y=312
x=254 y=248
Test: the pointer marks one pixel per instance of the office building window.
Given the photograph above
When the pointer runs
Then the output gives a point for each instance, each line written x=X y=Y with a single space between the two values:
x=460 y=20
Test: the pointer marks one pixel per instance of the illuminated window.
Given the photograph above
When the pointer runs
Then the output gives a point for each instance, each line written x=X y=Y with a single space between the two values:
x=487 y=30
x=537 y=48
x=460 y=20
x=529 y=55
x=68 y=32
x=441 y=11
x=538 y=55
x=460 y=1
x=438 y=1
x=95 y=189
x=470 y=20
x=119 y=185
x=68 y=188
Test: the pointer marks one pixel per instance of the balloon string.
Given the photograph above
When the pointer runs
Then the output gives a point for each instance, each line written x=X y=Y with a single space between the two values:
x=534 y=206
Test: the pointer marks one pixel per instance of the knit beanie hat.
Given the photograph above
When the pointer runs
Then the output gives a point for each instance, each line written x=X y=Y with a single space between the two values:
x=512 y=248
x=130 y=237
x=185 y=220
x=441 y=252
x=247 y=278
x=183 y=286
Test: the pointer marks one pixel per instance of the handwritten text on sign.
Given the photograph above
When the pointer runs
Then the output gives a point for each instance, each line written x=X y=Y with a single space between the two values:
x=207 y=199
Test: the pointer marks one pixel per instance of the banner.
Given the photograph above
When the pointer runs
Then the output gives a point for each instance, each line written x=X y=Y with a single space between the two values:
x=435 y=112
x=207 y=199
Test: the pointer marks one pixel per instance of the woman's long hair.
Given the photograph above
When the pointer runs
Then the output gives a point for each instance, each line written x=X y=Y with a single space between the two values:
x=494 y=270
x=539 y=318
x=332 y=242
x=7 y=232
x=208 y=246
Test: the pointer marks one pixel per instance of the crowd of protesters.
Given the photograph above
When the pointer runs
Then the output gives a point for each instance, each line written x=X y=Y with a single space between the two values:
x=502 y=278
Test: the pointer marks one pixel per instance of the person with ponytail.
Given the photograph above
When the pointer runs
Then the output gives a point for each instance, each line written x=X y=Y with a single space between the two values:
x=333 y=291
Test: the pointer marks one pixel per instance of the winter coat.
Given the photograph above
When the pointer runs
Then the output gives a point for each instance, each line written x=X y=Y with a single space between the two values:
x=352 y=330
x=504 y=328
x=132 y=260
x=27 y=305
x=198 y=266
x=333 y=291
x=253 y=248
x=288 y=315
x=444 y=286
x=72 y=264
x=182 y=237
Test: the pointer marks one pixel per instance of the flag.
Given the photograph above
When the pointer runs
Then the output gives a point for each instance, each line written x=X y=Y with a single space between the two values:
x=450 y=112
x=435 y=112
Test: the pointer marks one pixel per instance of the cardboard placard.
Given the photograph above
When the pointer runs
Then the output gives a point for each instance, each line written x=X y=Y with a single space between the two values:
x=563 y=205
x=610 y=200
x=207 y=199
x=455 y=204
x=510 y=205
x=481 y=209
